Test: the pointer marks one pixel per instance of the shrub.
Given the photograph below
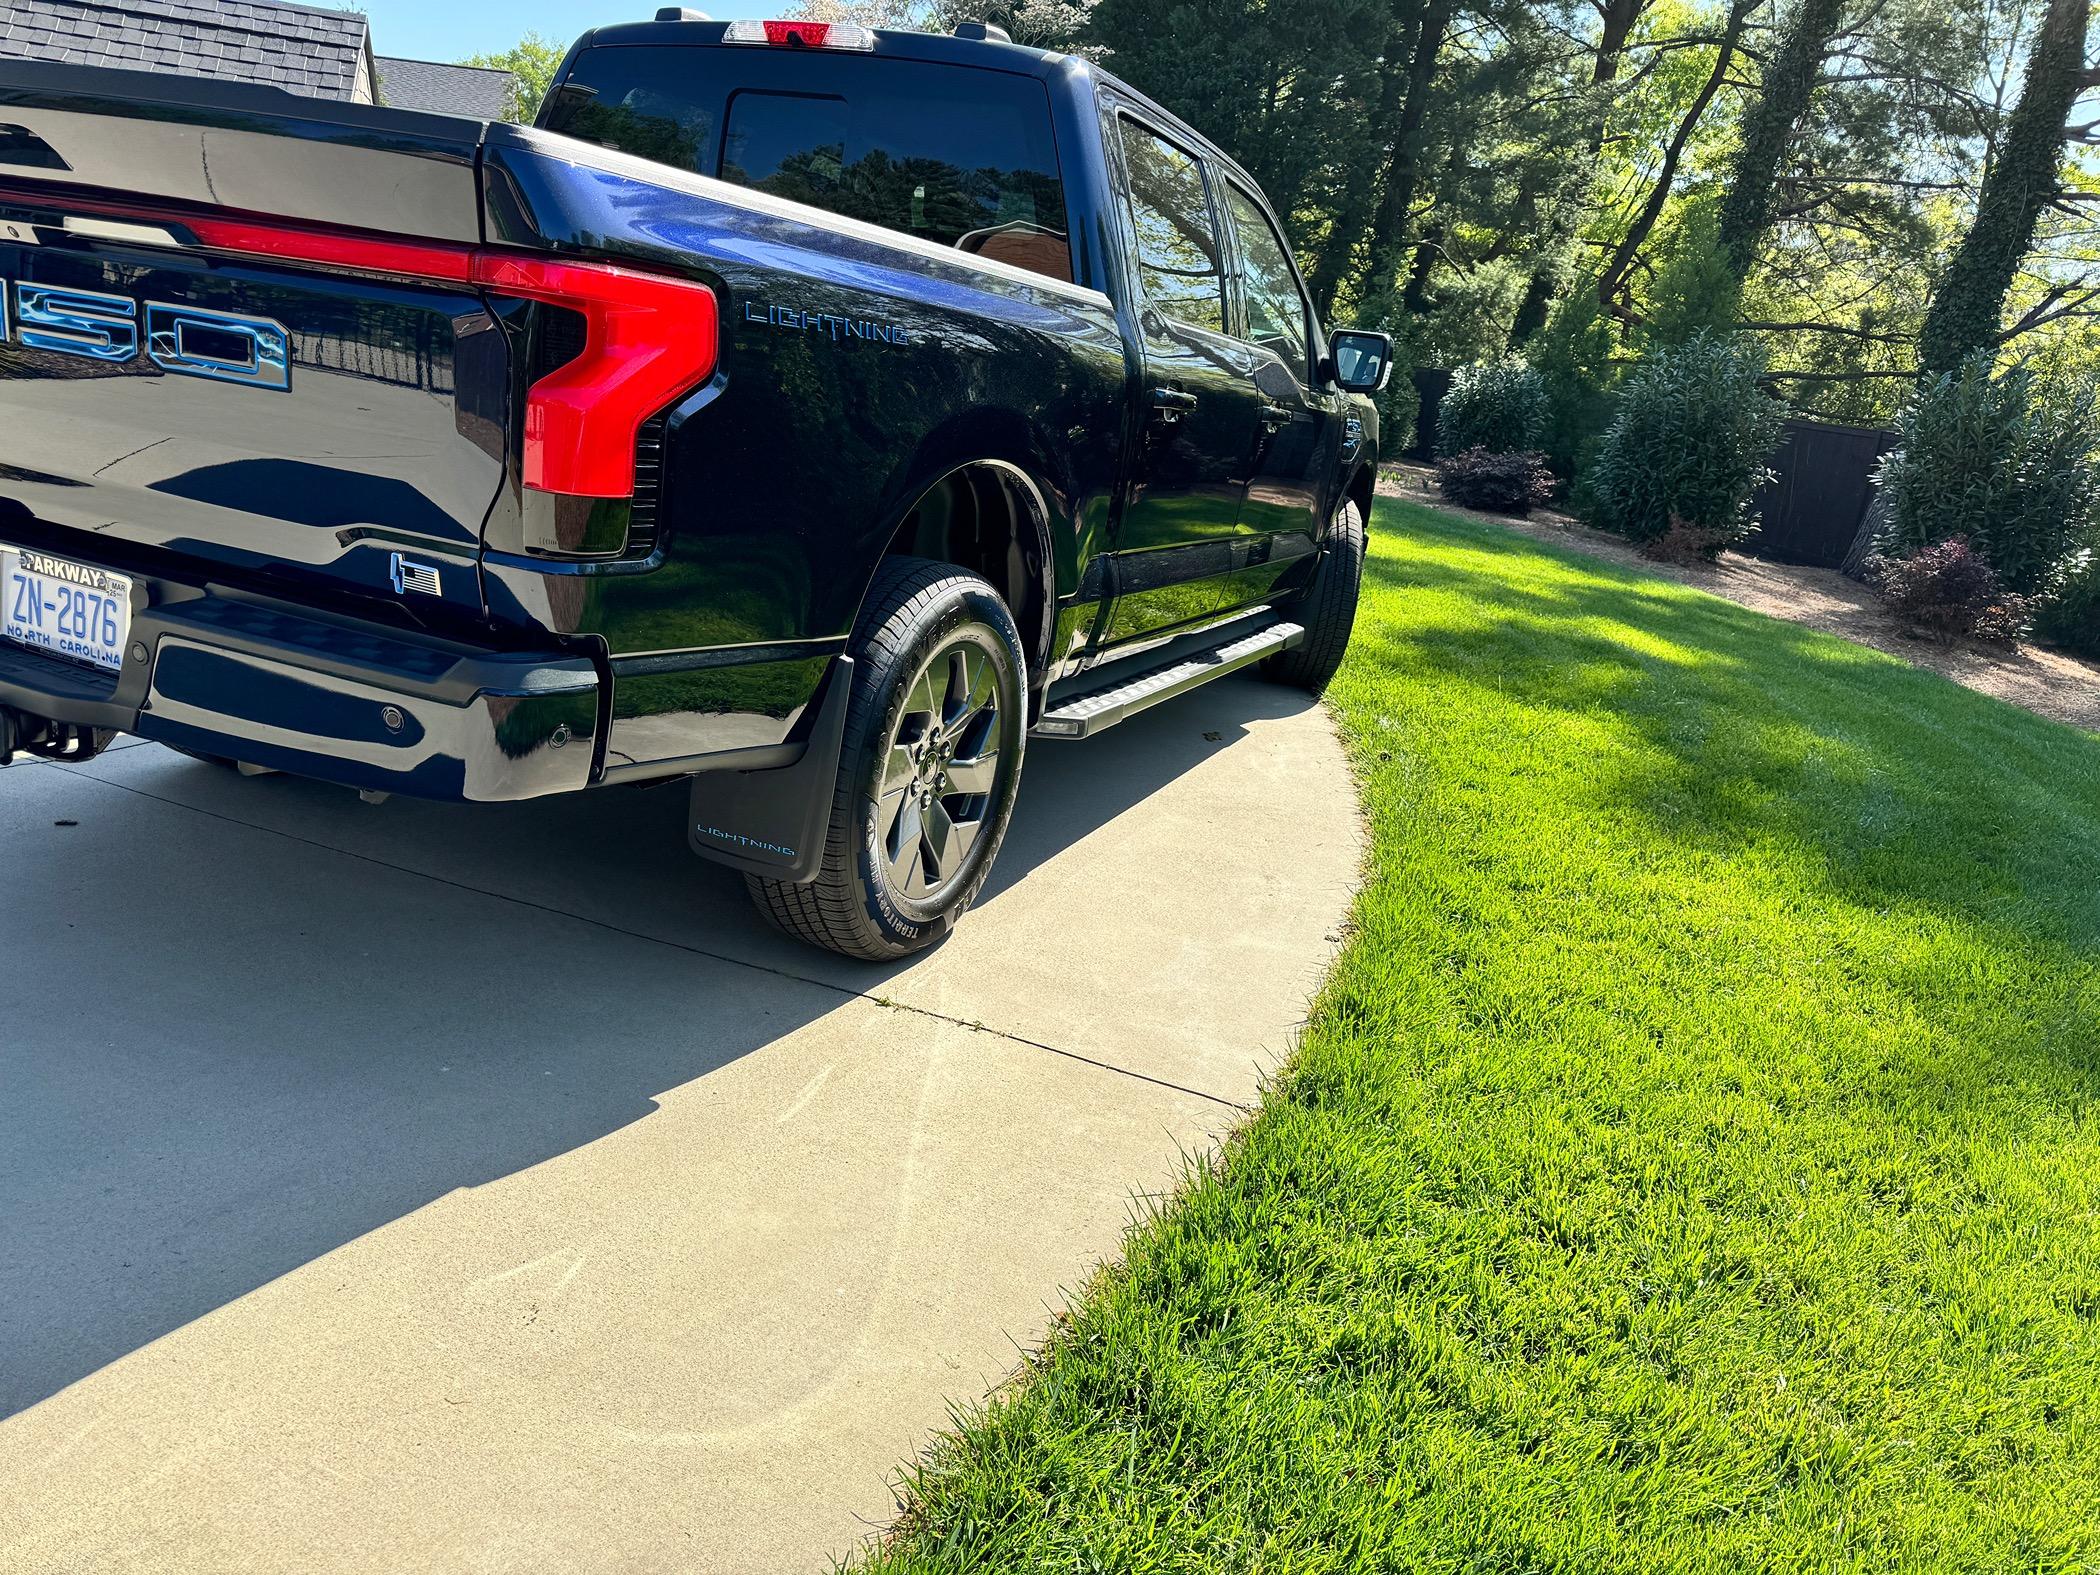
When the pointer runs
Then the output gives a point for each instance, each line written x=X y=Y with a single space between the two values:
x=2071 y=618
x=1696 y=290
x=1683 y=543
x=1688 y=444
x=1501 y=408
x=1399 y=404
x=1950 y=589
x=1498 y=483
x=2002 y=461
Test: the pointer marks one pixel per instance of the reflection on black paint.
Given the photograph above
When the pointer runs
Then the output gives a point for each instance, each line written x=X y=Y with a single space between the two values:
x=301 y=492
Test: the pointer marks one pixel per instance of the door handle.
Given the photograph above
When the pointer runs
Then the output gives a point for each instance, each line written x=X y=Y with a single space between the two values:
x=1274 y=417
x=1171 y=404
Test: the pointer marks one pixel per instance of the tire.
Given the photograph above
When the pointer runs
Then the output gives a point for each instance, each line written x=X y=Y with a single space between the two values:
x=939 y=701
x=1328 y=608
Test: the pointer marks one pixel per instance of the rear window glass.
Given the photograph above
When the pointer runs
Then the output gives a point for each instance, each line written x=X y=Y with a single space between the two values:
x=962 y=158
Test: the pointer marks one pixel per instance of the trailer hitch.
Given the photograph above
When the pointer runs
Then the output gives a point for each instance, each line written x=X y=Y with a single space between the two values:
x=46 y=739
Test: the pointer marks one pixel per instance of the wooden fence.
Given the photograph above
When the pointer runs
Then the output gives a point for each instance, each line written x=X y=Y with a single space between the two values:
x=1822 y=482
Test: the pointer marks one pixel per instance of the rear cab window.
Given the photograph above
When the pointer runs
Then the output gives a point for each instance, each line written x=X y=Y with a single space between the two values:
x=956 y=156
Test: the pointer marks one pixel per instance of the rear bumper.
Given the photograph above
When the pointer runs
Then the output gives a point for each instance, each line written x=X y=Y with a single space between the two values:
x=359 y=704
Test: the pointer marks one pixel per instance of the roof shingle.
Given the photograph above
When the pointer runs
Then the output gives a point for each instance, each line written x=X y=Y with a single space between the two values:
x=482 y=92
x=299 y=48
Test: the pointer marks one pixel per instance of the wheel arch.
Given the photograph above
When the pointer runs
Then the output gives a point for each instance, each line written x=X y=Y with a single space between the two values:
x=989 y=515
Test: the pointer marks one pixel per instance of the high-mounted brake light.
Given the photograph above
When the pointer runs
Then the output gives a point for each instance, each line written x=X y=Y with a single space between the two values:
x=647 y=338
x=801 y=35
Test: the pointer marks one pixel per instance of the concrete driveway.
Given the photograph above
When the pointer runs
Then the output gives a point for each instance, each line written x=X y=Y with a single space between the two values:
x=404 y=1187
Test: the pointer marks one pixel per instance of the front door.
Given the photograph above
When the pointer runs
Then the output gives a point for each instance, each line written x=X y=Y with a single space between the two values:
x=1300 y=420
x=1176 y=549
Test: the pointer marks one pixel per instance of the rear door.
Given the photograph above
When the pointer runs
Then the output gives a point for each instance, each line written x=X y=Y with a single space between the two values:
x=1176 y=547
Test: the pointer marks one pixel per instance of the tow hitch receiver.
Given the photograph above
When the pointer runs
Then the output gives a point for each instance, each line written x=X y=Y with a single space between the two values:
x=49 y=740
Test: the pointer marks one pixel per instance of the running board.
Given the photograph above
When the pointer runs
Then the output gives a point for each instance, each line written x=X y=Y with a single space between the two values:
x=1084 y=714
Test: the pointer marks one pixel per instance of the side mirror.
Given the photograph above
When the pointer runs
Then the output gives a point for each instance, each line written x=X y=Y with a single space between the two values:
x=1362 y=360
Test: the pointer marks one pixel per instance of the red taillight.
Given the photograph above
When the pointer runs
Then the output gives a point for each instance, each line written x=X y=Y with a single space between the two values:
x=648 y=338
x=337 y=249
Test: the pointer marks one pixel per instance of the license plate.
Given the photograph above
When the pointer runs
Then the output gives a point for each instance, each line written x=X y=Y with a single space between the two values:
x=69 y=609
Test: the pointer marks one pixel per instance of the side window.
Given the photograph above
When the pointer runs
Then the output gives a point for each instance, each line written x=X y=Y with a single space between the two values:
x=1177 y=246
x=1277 y=318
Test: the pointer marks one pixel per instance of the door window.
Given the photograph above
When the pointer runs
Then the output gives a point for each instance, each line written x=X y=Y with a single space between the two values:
x=1277 y=317
x=1177 y=245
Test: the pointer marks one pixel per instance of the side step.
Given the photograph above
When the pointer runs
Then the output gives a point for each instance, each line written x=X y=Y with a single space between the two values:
x=1089 y=711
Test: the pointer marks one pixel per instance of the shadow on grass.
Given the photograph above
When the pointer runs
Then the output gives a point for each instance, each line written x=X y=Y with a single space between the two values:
x=1954 y=837
x=1910 y=786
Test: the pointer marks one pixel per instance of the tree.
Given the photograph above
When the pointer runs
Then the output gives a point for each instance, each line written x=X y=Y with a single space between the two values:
x=1612 y=281
x=2025 y=178
x=1616 y=20
x=533 y=61
x=1769 y=128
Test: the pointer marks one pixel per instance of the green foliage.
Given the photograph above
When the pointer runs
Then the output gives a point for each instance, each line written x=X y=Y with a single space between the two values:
x=533 y=60
x=1399 y=407
x=1472 y=316
x=1696 y=290
x=1689 y=1168
x=2071 y=618
x=1501 y=408
x=1573 y=356
x=2001 y=460
x=1688 y=443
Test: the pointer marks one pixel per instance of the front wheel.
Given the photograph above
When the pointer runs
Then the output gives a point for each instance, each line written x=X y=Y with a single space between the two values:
x=1328 y=608
x=932 y=761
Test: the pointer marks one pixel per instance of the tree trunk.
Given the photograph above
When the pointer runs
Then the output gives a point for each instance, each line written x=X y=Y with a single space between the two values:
x=1616 y=270
x=1617 y=19
x=1769 y=127
x=1389 y=228
x=1966 y=308
x=1355 y=213
x=1414 y=300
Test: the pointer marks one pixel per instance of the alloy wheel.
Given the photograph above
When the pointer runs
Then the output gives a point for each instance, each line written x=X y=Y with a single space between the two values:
x=935 y=799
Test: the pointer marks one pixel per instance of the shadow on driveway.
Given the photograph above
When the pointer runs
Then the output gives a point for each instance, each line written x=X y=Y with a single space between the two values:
x=255 y=1019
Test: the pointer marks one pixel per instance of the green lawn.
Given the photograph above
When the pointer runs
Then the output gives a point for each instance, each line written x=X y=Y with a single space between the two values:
x=1693 y=1162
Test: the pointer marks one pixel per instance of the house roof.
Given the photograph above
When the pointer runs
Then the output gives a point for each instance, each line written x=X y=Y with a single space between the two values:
x=302 y=49
x=483 y=92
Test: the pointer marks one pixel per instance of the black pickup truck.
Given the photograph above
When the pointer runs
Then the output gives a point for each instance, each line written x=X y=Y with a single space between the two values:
x=803 y=413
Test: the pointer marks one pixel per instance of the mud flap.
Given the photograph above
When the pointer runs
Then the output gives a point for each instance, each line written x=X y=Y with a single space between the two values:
x=773 y=822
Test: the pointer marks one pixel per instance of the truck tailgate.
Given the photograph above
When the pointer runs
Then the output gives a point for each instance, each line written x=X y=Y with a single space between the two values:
x=164 y=399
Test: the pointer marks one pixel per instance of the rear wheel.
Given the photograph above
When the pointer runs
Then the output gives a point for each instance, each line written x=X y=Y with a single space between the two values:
x=927 y=777
x=1328 y=608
